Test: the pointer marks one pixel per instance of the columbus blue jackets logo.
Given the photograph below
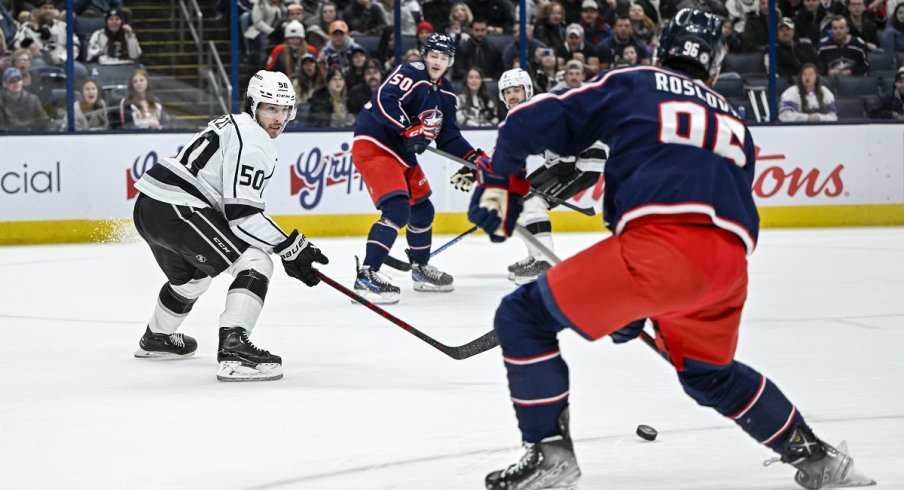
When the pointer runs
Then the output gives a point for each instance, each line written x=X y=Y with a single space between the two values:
x=432 y=121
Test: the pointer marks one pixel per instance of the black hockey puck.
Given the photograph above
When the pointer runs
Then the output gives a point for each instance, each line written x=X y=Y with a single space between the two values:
x=646 y=432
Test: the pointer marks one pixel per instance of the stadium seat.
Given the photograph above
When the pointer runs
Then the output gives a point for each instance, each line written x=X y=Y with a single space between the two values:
x=850 y=107
x=369 y=43
x=742 y=105
x=762 y=80
x=111 y=74
x=729 y=87
x=856 y=86
x=85 y=26
x=744 y=63
x=499 y=41
x=882 y=61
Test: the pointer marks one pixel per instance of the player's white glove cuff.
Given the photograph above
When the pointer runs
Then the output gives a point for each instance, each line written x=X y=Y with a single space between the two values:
x=496 y=199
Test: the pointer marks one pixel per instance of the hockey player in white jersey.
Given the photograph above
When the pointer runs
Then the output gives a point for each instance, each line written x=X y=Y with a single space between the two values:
x=560 y=176
x=202 y=213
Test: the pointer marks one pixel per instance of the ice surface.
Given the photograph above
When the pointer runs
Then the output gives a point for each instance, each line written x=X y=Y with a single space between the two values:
x=365 y=405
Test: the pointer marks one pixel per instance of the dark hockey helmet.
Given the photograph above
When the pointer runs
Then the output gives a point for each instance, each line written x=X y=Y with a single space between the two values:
x=440 y=43
x=694 y=36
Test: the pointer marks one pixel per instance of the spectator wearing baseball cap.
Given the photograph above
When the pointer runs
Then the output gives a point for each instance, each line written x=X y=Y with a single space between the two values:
x=287 y=56
x=19 y=109
x=576 y=48
x=596 y=30
x=792 y=53
x=364 y=17
x=573 y=76
x=337 y=50
x=891 y=104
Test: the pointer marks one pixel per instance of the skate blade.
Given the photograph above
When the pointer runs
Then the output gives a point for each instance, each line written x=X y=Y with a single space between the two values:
x=377 y=299
x=145 y=354
x=521 y=280
x=234 y=371
x=424 y=287
x=853 y=478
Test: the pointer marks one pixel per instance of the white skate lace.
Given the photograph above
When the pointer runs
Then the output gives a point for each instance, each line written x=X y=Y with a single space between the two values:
x=523 y=462
x=176 y=339
x=430 y=271
x=524 y=262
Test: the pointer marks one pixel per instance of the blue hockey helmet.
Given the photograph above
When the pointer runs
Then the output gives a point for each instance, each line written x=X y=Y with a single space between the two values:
x=694 y=36
x=440 y=43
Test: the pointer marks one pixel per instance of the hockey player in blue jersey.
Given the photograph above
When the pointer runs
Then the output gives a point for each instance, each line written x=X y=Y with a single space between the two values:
x=414 y=106
x=678 y=198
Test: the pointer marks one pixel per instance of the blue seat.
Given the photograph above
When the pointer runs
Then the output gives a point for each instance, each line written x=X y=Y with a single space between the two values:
x=729 y=87
x=744 y=63
x=850 y=107
x=856 y=86
x=882 y=61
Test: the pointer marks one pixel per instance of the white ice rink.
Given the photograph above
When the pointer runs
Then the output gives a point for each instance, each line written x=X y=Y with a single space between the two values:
x=365 y=405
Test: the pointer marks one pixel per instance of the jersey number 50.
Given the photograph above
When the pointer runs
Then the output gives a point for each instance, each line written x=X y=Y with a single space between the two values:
x=729 y=135
x=402 y=81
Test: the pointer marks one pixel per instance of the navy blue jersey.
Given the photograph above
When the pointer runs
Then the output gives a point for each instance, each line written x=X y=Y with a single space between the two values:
x=675 y=146
x=405 y=98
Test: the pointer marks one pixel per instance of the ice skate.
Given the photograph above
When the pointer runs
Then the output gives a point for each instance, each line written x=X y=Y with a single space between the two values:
x=548 y=464
x=428 y=278
x=820 y=465
x=163 y=346
x=240 y=360
x=530 y=272
x=375 y=287
x=521 y=264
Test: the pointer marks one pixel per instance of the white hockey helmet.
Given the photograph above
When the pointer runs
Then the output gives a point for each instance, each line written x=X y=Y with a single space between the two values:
x=271 y=87
x=515 y=77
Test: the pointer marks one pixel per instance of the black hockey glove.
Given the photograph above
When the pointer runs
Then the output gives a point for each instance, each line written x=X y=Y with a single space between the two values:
x=298 y=254
x=463 y=180
x=628 y=332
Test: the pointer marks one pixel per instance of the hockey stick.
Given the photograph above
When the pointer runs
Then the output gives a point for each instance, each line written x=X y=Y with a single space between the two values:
x=553 y=199
x=481 y=344
x=529 y=238
x=405 y=266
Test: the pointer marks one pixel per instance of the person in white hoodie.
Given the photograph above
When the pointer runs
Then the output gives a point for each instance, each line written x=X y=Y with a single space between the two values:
x=808 y=100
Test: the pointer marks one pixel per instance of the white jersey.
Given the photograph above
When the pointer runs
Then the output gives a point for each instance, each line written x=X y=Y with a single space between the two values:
x=226 y=166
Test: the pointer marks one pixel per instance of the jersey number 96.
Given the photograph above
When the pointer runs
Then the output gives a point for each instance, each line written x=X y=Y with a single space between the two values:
x=685 y=123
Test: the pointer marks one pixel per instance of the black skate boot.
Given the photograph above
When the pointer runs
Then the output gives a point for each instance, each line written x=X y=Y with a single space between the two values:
x=818 y=464
x=163 y=346
x=240 y=360
x=517 y=266
x=530 y=272
x=375 y=287
x=547 y=464
x=430 y=279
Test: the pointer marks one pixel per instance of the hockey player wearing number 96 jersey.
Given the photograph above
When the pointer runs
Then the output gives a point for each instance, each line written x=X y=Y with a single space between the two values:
x=679 y=200
x=414 y=106
x=202 y=213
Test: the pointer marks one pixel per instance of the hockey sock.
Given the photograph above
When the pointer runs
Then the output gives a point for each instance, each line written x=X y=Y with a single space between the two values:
x=382 y=235
x=742 y=394
x=537 y=374
x=420 y=232
x=542 y=231
x=535 y=218
x=245 y=300
x=174 y=303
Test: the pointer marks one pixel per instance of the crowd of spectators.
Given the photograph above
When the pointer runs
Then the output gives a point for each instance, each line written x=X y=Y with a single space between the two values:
x=33 y=55
x=337 y=52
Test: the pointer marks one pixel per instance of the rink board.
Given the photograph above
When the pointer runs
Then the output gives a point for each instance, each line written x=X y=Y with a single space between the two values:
x=77 y=188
